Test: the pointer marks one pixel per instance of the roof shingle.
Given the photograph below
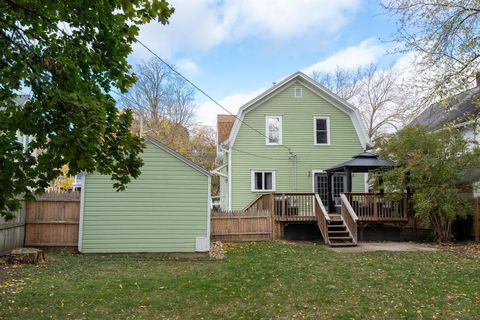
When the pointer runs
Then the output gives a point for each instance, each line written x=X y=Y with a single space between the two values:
x=457 y=109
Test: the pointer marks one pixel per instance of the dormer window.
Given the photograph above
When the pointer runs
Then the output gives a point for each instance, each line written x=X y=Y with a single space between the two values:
x=297 y=92
x=273 y=130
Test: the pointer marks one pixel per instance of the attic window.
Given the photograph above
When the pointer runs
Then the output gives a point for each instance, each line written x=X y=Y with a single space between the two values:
x=298 y=92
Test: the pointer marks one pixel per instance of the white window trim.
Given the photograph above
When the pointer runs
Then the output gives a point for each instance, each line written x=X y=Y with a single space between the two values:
x=252 y=179
x=295 y=92
x=280 y=133
x=315 y=131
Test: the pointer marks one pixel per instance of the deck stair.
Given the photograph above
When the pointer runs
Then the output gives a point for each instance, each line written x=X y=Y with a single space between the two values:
x=338 y=234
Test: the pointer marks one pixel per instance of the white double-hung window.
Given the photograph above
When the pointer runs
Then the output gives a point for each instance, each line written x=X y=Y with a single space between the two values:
x=321 y=134
x=273 y=130
x=263 y=180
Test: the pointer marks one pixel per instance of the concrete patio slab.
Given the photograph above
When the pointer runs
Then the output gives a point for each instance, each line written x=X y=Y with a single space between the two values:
x=385 y=246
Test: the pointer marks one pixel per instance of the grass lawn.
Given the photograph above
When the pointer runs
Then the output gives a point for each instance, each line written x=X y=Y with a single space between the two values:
x=255 y=281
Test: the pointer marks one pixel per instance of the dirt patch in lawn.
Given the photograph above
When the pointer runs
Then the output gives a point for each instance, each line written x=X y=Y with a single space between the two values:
x=469 y=249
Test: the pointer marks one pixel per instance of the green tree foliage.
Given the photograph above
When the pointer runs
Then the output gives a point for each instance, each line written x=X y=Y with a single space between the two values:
x=435 y=166
x=69 y=55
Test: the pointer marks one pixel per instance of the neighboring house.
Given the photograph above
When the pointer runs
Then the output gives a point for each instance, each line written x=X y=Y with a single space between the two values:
x=284 y=139
x=461 y=111
x=166 y=209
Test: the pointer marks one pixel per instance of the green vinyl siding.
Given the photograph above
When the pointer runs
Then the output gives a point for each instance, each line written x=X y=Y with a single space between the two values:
x=163 y=210
x=250 y=151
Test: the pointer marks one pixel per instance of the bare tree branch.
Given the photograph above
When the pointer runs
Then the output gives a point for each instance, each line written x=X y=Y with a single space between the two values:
x=384 y=102
x=444 y=36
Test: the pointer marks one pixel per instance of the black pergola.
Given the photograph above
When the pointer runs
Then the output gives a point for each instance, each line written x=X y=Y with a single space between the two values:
x=362 y=162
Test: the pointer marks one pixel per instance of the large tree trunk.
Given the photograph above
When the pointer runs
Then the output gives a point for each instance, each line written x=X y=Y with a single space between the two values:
x=442 y=227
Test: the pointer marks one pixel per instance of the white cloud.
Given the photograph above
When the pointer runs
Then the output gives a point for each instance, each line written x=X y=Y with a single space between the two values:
x=286 y=18
x=207 y=112
x=188 y=67
x=367 y=52
x=193 y=25
x=203 y=24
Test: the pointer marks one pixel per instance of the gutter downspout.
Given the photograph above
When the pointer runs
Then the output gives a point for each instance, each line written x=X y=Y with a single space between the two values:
x=82 y=208
x=229 y=172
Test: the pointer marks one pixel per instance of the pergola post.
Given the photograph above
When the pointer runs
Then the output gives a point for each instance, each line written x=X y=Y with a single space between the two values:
x=330 y=204
x=349 y=180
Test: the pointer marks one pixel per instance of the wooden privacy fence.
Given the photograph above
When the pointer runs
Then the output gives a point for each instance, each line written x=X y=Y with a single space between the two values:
x=52 y=220
x=12 y=233
x=252 y=225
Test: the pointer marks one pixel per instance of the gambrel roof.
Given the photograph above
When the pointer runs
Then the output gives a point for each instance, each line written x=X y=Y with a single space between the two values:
x=314 y=87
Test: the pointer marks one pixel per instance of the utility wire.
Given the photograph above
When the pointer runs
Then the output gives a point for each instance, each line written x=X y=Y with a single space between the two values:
x=205 y=94
x=236 y=149
x=196 y=131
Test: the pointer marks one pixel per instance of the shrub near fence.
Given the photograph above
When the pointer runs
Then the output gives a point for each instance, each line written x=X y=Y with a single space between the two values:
x=52 y=220
x=253 y=225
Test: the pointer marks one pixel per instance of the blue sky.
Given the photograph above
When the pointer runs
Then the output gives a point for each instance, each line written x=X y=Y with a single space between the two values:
x=235 y=49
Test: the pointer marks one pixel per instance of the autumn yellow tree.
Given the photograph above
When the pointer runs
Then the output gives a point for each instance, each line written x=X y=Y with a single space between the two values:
x=64 y=181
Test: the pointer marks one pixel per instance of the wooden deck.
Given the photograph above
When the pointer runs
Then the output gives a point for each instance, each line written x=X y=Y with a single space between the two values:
x=300 y=207
x=337 y=229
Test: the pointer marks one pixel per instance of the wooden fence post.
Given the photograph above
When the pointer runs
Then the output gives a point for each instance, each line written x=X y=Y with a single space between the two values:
x=272 y=209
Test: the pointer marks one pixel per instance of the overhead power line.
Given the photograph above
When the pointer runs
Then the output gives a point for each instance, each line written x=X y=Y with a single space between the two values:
x=205 y=93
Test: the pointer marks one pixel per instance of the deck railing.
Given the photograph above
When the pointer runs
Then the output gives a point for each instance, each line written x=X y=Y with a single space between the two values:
x=299 y=206
x=261 y=202
x=294 y=206
x=323 y=219
x=378 y=206
x=349 y=217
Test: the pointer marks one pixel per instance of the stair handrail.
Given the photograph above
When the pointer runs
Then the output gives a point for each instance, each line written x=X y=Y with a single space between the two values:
x=253 y=202
x=349 y=217
x=323 y=219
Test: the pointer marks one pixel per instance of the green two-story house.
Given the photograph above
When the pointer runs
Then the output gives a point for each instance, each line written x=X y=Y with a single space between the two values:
x=284 y=139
